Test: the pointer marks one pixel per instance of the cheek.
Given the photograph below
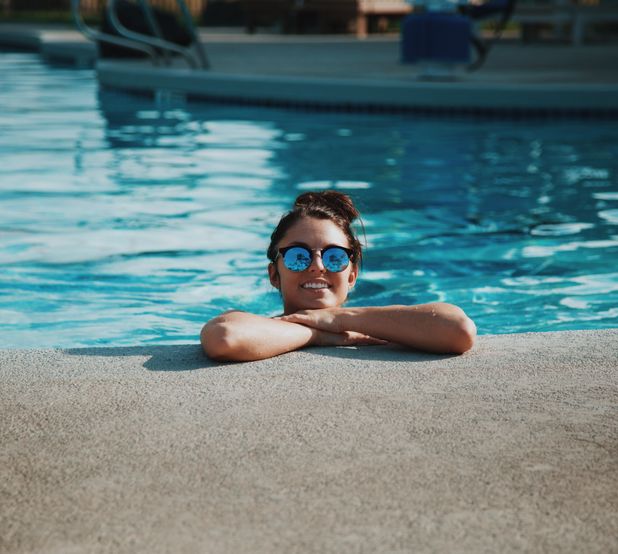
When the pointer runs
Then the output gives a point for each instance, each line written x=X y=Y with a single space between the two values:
x=287 y=283
x=343 y=284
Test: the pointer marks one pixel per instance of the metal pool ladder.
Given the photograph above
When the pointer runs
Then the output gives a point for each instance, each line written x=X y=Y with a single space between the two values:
x=159 y=49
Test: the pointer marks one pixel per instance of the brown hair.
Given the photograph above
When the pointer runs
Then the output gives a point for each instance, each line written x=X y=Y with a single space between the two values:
x=328 y=204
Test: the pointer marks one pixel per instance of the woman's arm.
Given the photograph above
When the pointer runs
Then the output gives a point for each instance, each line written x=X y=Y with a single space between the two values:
x=436 y=327
x=241 y=336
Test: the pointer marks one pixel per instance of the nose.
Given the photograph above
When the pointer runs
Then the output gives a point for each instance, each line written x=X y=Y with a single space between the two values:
x=316 y=263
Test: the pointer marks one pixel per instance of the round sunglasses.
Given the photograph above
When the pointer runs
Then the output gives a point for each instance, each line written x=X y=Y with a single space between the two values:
x=299 y=258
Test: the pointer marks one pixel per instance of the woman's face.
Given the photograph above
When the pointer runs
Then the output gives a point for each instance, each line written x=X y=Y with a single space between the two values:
x=298 y=288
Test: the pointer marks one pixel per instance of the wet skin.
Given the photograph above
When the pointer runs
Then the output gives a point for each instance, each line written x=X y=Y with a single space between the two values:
x=315 y=234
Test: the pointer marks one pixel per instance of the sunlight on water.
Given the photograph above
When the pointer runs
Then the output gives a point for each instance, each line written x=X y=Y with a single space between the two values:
x=127 y=221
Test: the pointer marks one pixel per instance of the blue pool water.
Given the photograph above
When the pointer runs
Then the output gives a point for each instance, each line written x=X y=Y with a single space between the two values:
x=130 y=221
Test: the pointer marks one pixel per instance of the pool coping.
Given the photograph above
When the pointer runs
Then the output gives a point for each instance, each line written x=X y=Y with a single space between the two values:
x=361 y=94
x=509 y=447
x=363 y=86
x=55 y=43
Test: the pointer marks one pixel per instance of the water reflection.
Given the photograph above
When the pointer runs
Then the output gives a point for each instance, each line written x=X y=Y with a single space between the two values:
x=142 y=218
x=450 y=207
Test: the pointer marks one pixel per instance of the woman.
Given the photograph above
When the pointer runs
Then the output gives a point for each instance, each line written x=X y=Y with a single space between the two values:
x=314 y=262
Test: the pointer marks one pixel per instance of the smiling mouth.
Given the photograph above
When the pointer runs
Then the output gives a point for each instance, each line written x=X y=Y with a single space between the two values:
x=315 y=286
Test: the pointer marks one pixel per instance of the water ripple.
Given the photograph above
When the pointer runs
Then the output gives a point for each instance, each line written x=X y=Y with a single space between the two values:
x=127 y=221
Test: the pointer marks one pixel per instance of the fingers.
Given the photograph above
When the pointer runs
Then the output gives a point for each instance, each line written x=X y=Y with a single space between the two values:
x=348 y=338
x=369 y=341
x=293 y=318
x=324 y=319
x=302 y=319
x=325 y=336
x=300 y=314
x=358 y=339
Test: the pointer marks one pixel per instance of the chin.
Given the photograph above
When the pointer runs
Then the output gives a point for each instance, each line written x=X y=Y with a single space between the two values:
x=319 y=303
x=316 y=304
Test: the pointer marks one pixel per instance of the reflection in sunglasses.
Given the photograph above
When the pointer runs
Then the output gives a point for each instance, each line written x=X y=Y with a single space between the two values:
x=299 y=258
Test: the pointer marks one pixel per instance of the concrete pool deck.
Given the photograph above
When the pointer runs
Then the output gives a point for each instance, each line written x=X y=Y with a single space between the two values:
x=512 y=447
x=345 y=72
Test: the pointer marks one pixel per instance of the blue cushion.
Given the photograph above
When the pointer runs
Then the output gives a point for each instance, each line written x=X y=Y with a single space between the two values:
x=436 y=37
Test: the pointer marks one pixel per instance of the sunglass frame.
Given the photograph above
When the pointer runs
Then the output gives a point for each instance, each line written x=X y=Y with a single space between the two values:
x=349 y=252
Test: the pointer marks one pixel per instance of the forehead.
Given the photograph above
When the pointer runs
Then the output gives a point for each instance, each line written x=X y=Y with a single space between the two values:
x=315 y=233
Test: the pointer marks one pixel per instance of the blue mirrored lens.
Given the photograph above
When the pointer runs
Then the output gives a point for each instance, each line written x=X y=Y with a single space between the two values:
x=335 y=259
x=297 y=259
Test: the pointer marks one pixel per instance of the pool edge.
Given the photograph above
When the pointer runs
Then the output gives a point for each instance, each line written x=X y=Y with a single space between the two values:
x=152 y=449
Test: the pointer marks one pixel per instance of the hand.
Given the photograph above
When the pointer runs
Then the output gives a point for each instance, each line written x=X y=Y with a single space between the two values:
x=324 y=319
x=347 y=338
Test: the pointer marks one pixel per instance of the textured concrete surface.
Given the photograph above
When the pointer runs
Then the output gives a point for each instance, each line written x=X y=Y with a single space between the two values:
x=512 y=447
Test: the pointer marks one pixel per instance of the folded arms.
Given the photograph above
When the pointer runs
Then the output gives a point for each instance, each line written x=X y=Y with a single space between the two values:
x=241 y=336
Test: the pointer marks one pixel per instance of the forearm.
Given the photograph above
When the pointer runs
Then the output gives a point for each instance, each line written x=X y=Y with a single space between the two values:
x=436 y=327
x=241 y=336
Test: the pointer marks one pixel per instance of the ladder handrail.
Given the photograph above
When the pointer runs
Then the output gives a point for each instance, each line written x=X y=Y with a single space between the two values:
x=199 y=47
x=95 y=35
x=154 y=25
x=146 y=39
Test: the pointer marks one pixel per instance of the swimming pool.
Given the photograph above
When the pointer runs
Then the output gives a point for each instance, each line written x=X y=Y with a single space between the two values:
x=130 y=221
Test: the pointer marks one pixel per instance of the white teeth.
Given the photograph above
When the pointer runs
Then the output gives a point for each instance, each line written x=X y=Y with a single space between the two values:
x=315 y=286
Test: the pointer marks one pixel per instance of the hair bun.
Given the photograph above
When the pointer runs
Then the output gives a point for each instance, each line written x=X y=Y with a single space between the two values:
x=330 y=201
x=328 y=205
